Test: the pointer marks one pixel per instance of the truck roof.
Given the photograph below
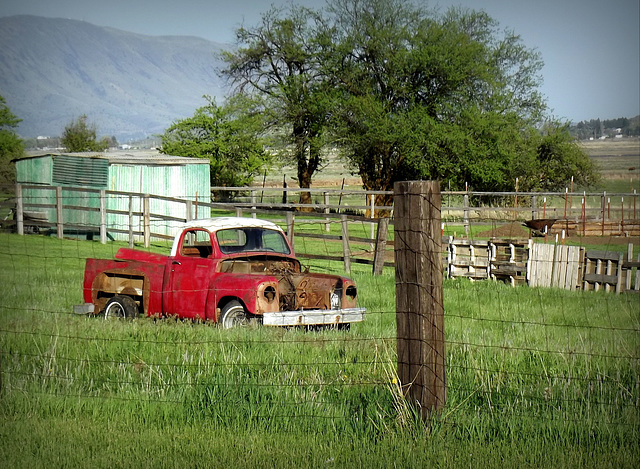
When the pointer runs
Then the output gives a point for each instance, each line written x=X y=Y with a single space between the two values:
x=219 y=223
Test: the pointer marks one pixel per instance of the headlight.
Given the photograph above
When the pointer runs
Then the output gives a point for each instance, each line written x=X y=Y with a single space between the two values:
x=270 y=293
x=336 y=298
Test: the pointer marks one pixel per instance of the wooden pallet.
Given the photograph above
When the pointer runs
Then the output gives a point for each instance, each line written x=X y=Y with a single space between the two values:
x=508 y=260
x=468 y=258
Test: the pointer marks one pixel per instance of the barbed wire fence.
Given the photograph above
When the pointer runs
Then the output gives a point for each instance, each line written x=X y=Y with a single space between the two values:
x=517 y=359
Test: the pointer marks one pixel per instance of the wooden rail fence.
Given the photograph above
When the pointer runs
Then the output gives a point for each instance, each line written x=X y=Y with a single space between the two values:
x=585 y=213
x=513 y=261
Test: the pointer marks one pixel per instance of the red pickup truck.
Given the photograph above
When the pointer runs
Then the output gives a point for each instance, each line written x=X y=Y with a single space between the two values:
x=229 y=270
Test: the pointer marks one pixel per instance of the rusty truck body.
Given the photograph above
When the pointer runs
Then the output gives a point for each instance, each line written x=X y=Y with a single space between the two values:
x=228 y=270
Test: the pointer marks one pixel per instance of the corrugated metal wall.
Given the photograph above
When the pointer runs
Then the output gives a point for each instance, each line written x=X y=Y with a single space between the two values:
x=178 y=181
x=37 y=170
x=80 y=172
x=125 y=178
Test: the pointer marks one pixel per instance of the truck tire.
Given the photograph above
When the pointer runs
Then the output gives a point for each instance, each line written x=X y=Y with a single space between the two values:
x=233 y=315
x=121 y=306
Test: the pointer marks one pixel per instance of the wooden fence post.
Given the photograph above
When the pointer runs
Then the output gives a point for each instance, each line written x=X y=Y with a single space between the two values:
x=130 y=221
x=629 y=260
x=147 y=220
x=253 y=202
x=465 y=214
x=381 y=243
x=534 y=207
x=103 y=216
x=188 y=210
x=59 y=216
x=419 y=296
x=290 y=221
x=346 y=251
x=372 y=216
x=19 y=210
x=327 y=225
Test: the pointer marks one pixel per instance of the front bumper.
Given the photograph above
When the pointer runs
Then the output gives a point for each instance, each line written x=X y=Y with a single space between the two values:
x=84 y=308
x=312 y=317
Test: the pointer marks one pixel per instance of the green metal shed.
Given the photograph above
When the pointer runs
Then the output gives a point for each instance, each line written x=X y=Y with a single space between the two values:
x=81 y=175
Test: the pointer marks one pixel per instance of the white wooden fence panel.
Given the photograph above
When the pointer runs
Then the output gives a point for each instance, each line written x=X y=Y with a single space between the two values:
x=541 y=265
x=554 y=266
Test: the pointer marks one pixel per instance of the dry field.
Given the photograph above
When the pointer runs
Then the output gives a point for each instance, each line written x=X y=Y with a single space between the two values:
x=618 y=159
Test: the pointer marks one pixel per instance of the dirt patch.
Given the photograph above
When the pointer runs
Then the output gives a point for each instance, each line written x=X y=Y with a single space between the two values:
x=607 y=240
x=517 y=231
x=510 y=230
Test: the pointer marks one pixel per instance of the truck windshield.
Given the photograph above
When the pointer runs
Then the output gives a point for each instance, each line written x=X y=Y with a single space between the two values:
x=235 y=240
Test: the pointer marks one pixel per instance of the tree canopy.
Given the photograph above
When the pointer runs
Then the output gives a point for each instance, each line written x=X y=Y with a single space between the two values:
x=80 y=136
x=228 y=135
x=10 y=144
x=425 y=96
x=277 y=59
x=407 y=93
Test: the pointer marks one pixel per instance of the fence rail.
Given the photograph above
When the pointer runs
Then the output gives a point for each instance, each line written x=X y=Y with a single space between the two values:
x=465 y=207
x=561 y=205
x=516 y=263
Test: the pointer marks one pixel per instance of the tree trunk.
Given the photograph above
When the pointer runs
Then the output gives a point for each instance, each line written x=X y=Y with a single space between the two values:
x=383 y=200
x=304 y=179
x=307 y=165
x=375 y=184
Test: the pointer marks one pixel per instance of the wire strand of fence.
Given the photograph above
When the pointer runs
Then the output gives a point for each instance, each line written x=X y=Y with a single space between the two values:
x=518 y=354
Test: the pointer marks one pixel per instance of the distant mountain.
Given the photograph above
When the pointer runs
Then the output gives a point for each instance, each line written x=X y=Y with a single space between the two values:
x=129 y=85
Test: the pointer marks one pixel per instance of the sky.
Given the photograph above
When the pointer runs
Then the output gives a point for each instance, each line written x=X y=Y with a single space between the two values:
x=591 y=49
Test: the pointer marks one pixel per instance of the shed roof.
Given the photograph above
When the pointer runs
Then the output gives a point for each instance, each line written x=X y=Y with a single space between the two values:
x=135 y=157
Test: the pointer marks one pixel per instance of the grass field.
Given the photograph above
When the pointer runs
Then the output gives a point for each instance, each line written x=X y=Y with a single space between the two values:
x=536 y=378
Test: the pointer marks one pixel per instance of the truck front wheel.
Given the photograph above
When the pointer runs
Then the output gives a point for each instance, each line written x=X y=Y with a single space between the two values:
x=233 y=315
x=121 y=306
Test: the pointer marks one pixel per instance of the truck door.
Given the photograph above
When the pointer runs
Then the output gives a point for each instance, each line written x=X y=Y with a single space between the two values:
x=189 y=272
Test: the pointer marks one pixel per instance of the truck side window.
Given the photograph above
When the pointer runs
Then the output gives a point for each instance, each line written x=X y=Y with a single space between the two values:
x=196 y=243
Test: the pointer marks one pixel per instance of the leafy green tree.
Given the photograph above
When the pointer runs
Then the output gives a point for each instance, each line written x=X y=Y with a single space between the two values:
x=557 y=159
x=10 y=144
x=229 y=136
x=405 y=93
x=427 y=96
x=277 y=59
x=79 y=136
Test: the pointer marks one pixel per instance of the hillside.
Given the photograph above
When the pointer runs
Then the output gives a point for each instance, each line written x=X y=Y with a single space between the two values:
x=129 y=85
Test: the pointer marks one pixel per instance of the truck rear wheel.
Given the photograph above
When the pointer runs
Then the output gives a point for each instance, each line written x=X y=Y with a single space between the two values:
x=233 y=315
x=121 y=306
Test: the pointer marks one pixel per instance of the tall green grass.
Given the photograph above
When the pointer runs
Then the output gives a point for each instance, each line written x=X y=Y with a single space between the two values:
x=536 y=377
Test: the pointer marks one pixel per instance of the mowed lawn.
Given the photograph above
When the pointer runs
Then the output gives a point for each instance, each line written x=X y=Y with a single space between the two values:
x=536 y=378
